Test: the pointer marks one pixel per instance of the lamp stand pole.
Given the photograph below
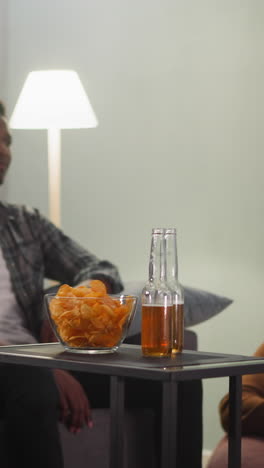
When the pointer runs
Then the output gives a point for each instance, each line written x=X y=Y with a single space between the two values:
x=54 y=174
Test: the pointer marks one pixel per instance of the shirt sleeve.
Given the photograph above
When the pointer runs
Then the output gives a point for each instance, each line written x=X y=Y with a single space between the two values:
x=66 y=261
x=252 y=403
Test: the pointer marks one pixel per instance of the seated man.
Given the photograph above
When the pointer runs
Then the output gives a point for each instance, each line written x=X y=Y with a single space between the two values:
x=33 y=249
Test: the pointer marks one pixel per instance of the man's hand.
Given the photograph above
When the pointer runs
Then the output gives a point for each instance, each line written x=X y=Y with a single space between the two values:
x=74 y=405
x=47 y=335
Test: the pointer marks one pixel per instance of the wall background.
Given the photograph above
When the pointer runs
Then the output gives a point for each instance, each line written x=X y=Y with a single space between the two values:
x=178 y=90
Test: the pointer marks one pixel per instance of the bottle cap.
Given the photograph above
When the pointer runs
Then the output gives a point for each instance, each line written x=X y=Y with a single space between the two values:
x=158 y=230
x=170 y=231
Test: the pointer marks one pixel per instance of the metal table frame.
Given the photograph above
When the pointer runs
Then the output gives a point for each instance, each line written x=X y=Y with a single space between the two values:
x=128 y=362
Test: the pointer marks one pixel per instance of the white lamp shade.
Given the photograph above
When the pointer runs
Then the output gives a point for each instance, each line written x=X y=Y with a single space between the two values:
x=53 y=99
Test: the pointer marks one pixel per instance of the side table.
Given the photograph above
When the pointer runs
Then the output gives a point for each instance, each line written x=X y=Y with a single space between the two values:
x=129 y=362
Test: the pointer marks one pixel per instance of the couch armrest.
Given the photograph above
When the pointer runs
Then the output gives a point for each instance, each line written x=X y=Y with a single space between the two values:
x=190 y=340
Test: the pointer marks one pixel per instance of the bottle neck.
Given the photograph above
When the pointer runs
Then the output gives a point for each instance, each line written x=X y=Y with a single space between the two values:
x=157 y=261
x=171 y=256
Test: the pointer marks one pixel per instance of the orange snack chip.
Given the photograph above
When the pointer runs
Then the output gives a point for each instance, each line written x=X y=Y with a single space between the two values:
x=88 y=316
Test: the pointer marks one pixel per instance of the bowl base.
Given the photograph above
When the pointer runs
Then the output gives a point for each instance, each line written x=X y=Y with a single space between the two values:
x=91 y=351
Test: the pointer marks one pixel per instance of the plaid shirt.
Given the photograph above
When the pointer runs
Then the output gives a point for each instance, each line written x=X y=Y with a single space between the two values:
x=35 y=249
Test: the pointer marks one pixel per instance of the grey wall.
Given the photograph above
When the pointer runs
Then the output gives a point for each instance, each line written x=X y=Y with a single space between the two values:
x=178 y=90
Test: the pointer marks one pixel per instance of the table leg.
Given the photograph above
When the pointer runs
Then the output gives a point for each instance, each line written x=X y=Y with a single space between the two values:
x=234 y=434
x=116 y=422
x=169 y=424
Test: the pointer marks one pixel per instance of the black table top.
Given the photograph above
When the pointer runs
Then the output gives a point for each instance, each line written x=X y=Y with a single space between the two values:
x=129 y=362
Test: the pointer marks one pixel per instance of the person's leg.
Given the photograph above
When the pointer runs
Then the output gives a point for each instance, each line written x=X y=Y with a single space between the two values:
x=29 y=408
x=141 y=393
x=190 y=426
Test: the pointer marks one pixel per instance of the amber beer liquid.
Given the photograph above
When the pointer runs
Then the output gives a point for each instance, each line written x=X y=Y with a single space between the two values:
x=177 y=328
x=156 y=330
x=177 y=291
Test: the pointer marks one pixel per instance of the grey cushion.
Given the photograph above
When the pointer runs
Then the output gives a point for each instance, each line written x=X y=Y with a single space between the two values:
x=199 y=305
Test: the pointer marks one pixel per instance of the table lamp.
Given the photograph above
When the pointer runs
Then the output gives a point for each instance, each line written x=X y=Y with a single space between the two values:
x=53 y=100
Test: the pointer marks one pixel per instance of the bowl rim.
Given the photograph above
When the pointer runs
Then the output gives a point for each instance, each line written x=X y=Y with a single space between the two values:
x=92 y=297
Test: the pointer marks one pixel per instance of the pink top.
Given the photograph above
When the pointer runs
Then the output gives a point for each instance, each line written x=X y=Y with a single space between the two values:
x=12 y=329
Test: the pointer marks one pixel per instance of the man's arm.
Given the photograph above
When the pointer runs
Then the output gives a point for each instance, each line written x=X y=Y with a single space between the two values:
x=66 y=261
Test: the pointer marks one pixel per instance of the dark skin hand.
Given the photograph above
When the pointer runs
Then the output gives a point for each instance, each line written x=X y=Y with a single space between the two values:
x=75 y=411
x=74 y=405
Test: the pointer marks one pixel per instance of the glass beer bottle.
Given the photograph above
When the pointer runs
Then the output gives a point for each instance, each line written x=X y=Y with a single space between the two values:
x=156 y=302
x=177 y=291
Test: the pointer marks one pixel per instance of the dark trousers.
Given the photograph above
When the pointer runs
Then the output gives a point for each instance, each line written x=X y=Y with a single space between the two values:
x=29 y=414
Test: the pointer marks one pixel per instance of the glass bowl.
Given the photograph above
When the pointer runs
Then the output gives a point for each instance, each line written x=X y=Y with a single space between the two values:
x=90 y=324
